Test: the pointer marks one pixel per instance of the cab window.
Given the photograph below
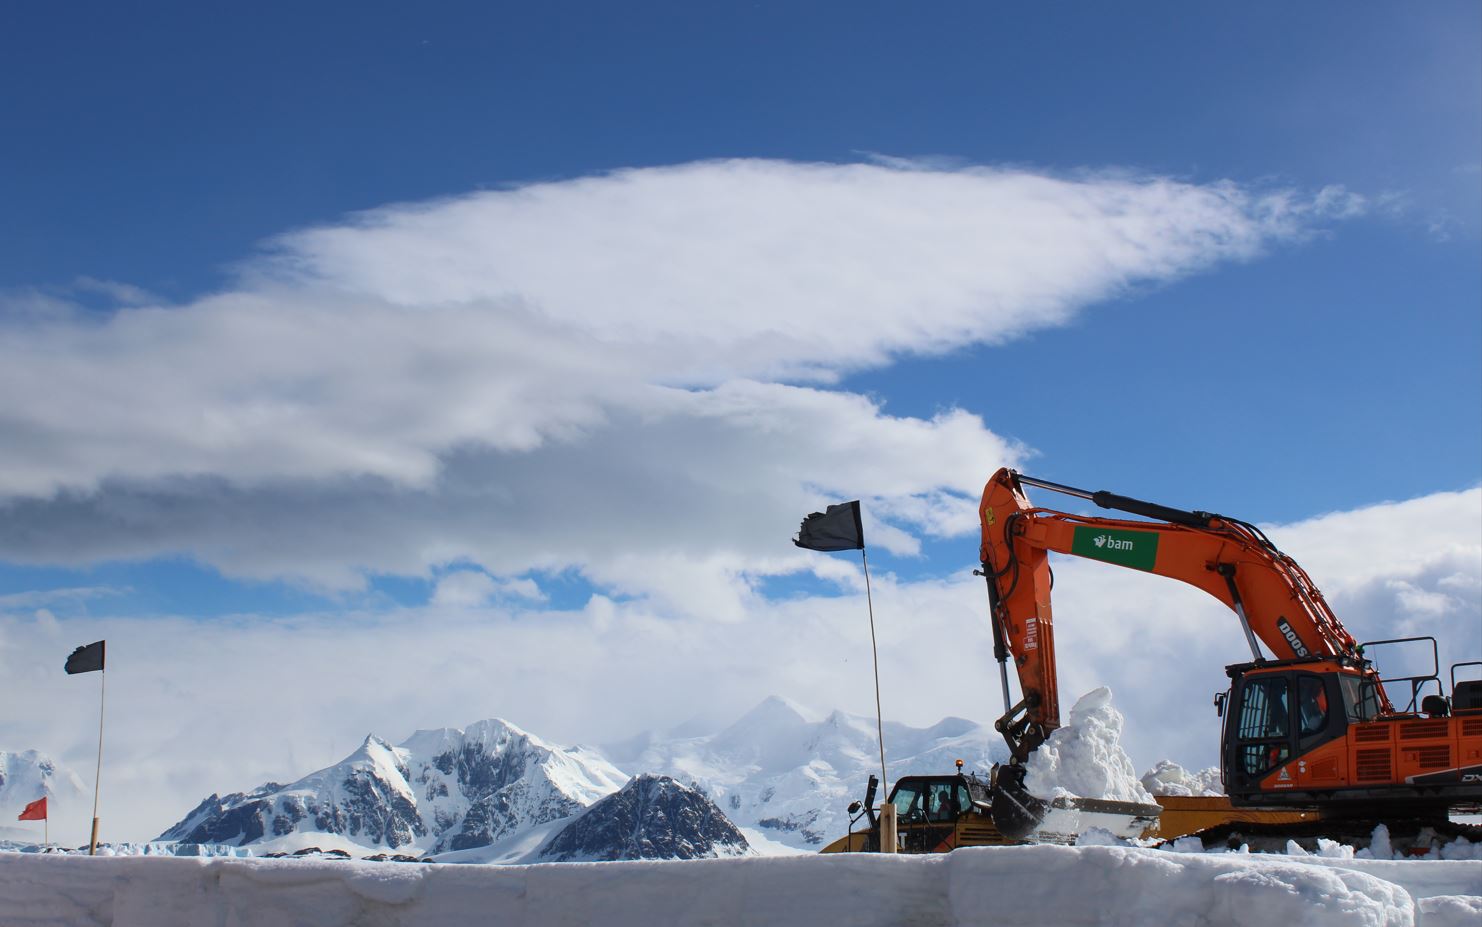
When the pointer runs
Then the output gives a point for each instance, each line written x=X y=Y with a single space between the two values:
x=1360 y=700
x=907 y=801
x=944 y=805
x=1312 y=706
x=1263 y=714
x=1263 y=725
x=1256 y=759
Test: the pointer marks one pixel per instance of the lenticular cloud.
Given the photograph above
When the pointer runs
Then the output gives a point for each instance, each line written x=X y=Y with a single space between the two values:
x=561 y=374
x=757 y=267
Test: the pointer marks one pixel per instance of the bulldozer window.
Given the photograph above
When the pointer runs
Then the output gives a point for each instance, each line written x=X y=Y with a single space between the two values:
x=945 y=804
x=964 y=798
x=908 y=803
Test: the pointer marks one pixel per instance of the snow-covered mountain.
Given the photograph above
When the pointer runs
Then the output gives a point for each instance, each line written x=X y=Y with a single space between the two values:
x=652 y=817
x=493 y=792
x=438 y=791
x=28 y=775
x=790 y=776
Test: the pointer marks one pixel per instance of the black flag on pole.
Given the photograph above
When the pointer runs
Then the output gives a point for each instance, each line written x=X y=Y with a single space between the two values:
x=839 y=528
x=86 y=659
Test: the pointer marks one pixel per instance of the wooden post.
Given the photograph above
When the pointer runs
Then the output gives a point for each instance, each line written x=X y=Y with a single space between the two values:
x=887 y=828
x=92 y=847
x=875 y=657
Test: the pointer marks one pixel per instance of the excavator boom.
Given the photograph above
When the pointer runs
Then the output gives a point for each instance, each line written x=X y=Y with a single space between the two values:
x=1275 y=600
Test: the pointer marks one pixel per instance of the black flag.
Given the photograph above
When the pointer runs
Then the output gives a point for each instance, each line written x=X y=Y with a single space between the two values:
x=839 y=528
x=86 y=659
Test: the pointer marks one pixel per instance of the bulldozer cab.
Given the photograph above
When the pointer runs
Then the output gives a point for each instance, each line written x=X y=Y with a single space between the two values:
x=930 y=799
x=935 y=814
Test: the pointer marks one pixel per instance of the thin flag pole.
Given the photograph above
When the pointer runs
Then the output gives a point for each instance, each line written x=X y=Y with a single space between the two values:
x=92 y=847
x=875 y=653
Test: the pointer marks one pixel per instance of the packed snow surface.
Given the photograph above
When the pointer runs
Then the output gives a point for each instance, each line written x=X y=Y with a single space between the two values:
x=998 y=885
x=1085 y=757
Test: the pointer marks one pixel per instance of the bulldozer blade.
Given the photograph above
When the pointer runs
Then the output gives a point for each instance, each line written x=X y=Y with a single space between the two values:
x=1019 y=815
x=1066 y=818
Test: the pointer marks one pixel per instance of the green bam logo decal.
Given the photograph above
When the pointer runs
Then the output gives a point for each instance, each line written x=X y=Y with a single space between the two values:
x=1136 y=549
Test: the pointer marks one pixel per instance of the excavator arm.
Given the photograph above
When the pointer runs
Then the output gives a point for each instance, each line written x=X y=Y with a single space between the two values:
x=1276 y=602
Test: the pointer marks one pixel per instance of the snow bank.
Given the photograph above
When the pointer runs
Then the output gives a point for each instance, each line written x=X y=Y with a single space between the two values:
x=1000 y=885
x=1420 y=878
x=1168 y=778
x=1085 y=757
x=1451 y=911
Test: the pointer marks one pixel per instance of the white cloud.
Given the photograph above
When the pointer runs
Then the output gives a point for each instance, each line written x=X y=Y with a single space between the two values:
x=602 y=374
x=474 y=588
x=69 y=596
x=465 y=588
x=122 y=293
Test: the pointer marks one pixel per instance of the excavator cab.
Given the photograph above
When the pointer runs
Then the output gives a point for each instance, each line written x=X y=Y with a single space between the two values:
x=1280 y=718
x=1321 y=732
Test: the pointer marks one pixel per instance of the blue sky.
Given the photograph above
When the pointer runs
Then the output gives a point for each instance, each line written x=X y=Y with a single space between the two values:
x=161 y=149
x=216 y=407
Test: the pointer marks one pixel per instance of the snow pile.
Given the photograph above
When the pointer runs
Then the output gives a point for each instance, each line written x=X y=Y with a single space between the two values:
x=1381 y=847
x=999 y=885
x=1085 y=757
x=1168 y=778
x=1462 y=848
x=1450 y=911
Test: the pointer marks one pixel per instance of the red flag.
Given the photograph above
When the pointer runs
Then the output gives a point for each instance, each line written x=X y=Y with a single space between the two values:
x=35 y=811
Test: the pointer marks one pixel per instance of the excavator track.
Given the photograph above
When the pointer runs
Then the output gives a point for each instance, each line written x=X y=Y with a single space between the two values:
x=1412 y=837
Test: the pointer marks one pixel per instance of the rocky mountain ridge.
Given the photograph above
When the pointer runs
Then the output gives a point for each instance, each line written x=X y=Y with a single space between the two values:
x=439 y=791
x=652 y=817
x=497 y=792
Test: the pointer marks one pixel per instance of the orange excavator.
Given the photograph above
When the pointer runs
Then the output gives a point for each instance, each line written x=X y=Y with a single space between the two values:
x=1311 y=724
